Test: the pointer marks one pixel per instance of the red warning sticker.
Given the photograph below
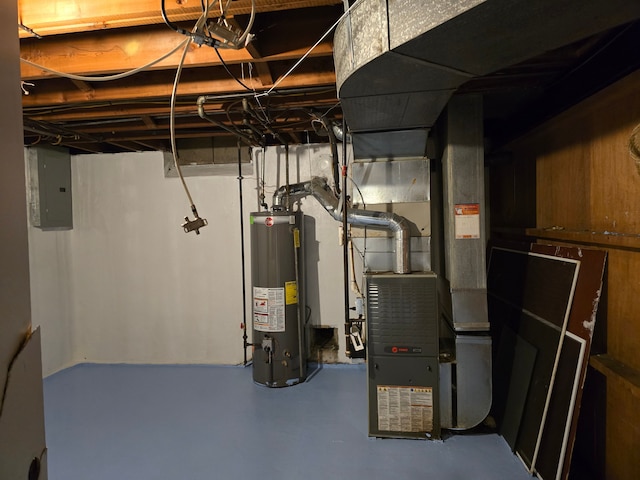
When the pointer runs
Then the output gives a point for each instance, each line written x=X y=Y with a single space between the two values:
x=467 y=220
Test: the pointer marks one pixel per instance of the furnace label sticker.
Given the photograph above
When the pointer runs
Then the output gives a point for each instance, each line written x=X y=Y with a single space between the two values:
x=405 y=409
x=268 y=309
x=467 y=220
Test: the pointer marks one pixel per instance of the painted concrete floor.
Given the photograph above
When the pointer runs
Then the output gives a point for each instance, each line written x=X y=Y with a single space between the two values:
x=124 y=422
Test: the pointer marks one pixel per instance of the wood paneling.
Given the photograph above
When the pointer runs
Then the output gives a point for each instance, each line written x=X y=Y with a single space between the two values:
x=512 y=190
x=615 y=178
x=612 y=368
x=587 y=187
x=623 y=432
x=559 y=172
x=623 y=314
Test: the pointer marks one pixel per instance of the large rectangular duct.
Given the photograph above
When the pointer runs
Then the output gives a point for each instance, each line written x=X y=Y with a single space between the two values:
x=464 y=212
x=398 y=62
x=459 y=243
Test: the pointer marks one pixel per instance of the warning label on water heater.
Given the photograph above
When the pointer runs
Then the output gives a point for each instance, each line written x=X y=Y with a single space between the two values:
x=268 y=309
x=405 y=409
x=291 y=292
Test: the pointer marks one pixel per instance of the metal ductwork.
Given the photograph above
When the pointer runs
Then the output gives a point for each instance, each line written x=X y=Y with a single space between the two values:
x=399 y=62
x=319 y=189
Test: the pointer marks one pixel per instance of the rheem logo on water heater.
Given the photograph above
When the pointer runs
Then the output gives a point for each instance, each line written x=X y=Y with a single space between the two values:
x=270 y=221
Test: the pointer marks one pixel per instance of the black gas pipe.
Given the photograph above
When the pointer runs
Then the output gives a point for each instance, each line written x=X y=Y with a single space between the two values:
x=345 y=236
x=244 y=287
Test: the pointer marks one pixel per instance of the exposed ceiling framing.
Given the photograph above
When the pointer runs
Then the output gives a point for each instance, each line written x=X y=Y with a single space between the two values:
x=89 y=38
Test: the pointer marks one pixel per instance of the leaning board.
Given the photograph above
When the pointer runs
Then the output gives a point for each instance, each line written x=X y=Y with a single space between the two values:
x=531 y=294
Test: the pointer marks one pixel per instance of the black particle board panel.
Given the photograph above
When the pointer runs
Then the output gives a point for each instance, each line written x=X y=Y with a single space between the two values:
x=524 y=360
x=559 y=435
x=547 y=341
x=504 y=352
x=530 y=294
x=555 y=436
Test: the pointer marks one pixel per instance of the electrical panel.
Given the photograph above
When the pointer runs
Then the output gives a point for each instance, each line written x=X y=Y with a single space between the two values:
x=49 y=189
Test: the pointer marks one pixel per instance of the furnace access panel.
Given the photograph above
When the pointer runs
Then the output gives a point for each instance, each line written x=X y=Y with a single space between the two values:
x=402 y=362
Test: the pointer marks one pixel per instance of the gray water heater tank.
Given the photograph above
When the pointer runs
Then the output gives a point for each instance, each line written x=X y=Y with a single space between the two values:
x=276 y=258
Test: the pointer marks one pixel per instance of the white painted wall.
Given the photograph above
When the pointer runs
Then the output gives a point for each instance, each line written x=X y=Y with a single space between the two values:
x=144 y=291
x=127 y=285
x=51 y=296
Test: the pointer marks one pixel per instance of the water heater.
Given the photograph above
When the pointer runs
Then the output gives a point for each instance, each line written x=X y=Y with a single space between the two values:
x=276 y=275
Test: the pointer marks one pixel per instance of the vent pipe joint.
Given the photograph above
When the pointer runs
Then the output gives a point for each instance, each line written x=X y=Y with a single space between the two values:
x=320 y=190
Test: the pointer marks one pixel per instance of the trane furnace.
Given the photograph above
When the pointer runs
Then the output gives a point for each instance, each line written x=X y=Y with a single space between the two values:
x=402 y=361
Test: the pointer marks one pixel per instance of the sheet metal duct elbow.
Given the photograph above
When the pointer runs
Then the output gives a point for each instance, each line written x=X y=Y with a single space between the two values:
x=366 y=218
x=319 y=189
x=288 y=193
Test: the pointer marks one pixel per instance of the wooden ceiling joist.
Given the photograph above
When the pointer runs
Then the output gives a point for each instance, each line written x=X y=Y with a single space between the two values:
x=82 y=86
x=195 y=86
x=84 y=38
x=92 y=113
x=55 y=17
x=98 y=54
x=148 y=121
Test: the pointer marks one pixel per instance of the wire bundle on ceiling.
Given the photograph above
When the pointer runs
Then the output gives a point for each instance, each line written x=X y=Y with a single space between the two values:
x=199 y=34
x=217 y=35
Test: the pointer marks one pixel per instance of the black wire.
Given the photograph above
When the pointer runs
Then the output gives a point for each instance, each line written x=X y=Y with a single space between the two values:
x=345 y=232
x=170 y=24
x=242 y=256
x=327 y=112
x=197 y=37
x=364 y=205
x=224 y=64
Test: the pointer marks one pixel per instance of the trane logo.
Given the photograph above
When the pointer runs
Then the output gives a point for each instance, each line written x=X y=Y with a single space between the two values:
x=402 y=349
x=268 y=221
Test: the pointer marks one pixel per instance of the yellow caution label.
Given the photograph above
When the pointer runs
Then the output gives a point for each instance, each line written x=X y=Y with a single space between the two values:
x=291 y=293
x=296 y=239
